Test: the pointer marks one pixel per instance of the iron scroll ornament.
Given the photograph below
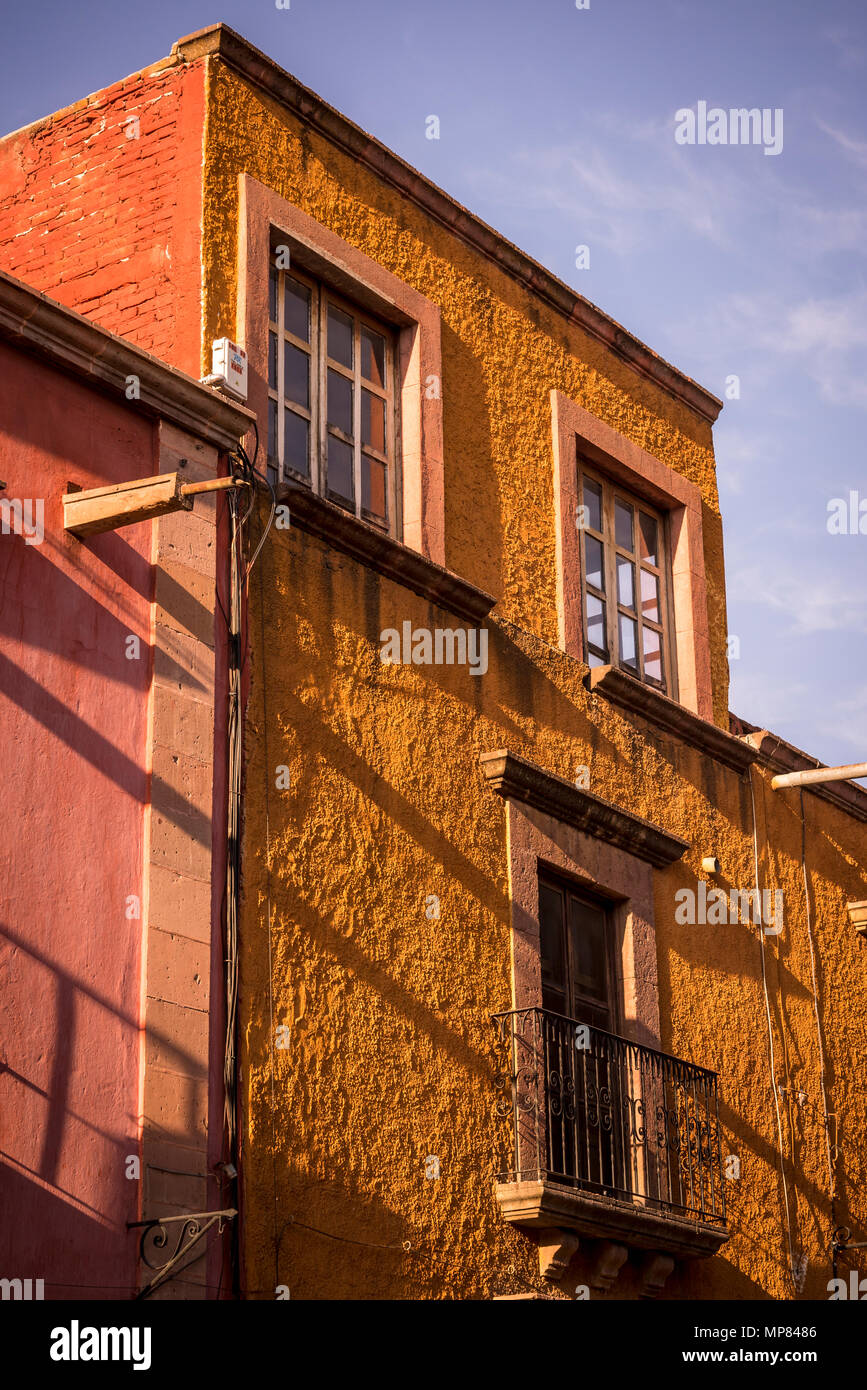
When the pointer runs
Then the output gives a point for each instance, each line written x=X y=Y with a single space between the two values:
x=191 y=1230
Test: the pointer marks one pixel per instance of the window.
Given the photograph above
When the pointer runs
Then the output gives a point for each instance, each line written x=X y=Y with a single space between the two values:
x=331 y=397
x=577 y=967
x=624 y=568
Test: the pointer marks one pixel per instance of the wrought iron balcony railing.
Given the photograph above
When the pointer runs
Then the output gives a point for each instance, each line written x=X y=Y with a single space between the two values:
x=610 y=1118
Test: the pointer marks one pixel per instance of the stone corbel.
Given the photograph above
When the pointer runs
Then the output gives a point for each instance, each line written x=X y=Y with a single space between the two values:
x=609 y=1259
x=655 y=1269
x=556 y=1249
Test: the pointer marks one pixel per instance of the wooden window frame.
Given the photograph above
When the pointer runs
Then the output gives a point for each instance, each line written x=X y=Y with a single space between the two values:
x=611 y=493
x=322 y=296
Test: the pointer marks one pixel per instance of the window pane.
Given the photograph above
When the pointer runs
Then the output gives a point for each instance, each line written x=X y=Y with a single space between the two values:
x=625 y=583
x=272 y=429
x=296 y=309
x=272 y=361
x=339 y=336
x=551 y=940
x=340 y=402
x=647 y=526
x=272 y=293
x=593 y=503
x=623 y=525
x=374 y=476
x=650 y=596
x=373 y=420
x=587 y=940
x=340 y=479
x=628 y=645
x=373 y=356
x=652 y=644
x=594 y=659
x=295 y=451
x=596 y=622
x=593 y=559
x=296 y=375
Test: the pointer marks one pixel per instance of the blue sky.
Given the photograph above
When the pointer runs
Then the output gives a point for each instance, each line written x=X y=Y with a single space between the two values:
x=557 y=127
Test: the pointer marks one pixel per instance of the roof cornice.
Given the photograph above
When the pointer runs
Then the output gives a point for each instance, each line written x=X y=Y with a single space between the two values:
x=221 y=42
x=31 y=320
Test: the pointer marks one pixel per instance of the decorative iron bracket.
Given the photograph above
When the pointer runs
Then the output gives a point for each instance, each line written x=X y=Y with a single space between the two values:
x=842 y=1243
x=192 y=1229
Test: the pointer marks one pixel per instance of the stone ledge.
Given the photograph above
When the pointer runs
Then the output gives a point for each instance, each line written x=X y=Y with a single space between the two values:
x=541 y=1203
x=517 y=779
x=637 y=697
x=380 y=552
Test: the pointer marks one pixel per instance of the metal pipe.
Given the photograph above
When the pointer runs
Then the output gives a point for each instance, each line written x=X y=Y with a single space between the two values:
x=212 y=485
x=819 y=774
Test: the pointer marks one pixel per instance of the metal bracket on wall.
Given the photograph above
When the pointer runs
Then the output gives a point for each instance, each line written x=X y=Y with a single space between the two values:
x=191 y=1230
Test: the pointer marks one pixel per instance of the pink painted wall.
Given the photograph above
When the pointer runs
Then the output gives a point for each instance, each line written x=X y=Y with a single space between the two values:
x=74 y=730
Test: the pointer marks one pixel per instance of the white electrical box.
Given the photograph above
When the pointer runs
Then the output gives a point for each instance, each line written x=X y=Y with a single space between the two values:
x=229 y=363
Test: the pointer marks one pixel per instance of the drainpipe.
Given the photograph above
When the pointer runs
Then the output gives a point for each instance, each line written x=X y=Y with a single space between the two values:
x=817 y=775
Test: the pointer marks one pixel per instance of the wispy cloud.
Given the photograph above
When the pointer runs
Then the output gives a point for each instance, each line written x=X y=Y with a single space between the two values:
x=850 y=54
x=612 y=207
x=855 y=149
x=807 y=596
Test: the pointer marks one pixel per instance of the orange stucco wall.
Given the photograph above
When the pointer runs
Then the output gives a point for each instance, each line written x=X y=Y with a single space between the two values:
x=391 y=1053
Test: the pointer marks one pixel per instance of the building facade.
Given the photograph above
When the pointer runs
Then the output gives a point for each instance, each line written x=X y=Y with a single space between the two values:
x=544 y=990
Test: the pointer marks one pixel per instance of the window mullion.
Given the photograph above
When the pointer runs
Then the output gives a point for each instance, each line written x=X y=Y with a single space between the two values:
x=322 y=389
x=356 y=412
x=281 y=376
x=611 y=607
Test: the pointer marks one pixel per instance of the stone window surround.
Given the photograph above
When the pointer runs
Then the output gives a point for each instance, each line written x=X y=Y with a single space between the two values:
x=538 y=841
x=645 y=476
x=323 y=253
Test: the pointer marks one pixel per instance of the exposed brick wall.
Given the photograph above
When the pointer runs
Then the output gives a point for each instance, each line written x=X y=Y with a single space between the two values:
x=110 y=223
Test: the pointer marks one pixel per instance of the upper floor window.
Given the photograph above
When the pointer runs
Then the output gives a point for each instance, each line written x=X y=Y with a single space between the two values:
x=625 y=569
x=331 y=397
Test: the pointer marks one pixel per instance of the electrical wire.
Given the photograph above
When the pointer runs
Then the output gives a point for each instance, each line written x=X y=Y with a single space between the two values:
x=771 y=1039
x=269 y=911
x=832 y=1185
x=244 y=468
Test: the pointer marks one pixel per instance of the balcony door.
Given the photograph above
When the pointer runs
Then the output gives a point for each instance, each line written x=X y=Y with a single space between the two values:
x=584 y=1085
x=577 y=956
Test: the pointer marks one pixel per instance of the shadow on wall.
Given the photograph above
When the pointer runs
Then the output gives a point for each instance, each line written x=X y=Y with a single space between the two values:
x=52 y=1236
x=58 y=1130
x=471 y=490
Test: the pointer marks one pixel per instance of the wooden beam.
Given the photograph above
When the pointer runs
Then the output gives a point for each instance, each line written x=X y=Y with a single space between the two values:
x=142 y=499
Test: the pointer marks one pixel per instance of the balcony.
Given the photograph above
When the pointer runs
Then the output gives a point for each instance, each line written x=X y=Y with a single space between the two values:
x=611 y=1141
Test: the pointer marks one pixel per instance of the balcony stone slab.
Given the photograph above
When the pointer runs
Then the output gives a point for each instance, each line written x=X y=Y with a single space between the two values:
x=540 y=1203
